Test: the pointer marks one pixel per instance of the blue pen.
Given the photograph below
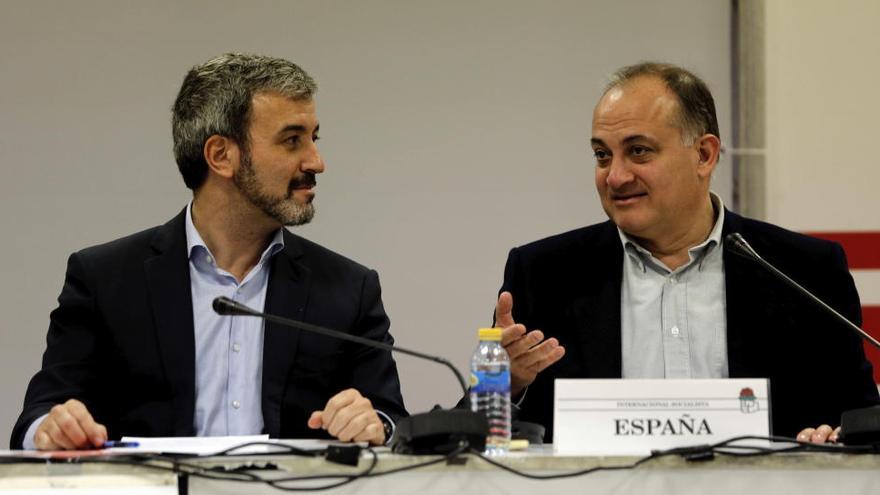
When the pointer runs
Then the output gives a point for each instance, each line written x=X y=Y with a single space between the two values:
x=109 y=444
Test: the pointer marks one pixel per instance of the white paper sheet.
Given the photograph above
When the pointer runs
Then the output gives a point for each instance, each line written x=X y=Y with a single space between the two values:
x=196 y=445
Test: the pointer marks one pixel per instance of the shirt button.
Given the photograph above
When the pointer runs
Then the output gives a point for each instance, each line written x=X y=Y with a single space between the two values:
x=236 y=404
x=209 y=259
x=672 y=280
x=236 y=347
x=674 y=331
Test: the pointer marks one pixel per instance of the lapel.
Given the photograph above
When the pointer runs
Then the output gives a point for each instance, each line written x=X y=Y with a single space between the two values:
x=596 y=311
x=286 y=296
x=168 y=283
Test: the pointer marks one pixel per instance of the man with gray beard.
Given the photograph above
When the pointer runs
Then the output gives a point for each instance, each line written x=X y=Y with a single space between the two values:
x=134 y=347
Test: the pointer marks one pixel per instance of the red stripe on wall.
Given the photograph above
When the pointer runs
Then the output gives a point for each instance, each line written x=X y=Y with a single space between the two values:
x=871 y=318
x=862 y=248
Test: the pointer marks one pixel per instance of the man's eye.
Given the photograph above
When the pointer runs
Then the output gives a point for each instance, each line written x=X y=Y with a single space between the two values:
x=316 y=138
x=601 y=155
x=292 y=140
x=639 y=150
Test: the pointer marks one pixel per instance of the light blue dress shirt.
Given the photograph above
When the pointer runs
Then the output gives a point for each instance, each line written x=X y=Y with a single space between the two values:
x=674 y=322
x=229 y=349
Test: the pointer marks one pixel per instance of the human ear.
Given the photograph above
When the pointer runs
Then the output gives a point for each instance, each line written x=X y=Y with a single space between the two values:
x=222 y=155
x=708 y=149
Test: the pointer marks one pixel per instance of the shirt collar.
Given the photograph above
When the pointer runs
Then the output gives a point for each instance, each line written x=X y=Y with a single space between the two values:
x=195 y=242
x=640 y=254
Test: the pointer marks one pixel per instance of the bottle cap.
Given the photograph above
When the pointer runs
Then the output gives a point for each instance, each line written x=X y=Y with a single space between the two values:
x=490 y=334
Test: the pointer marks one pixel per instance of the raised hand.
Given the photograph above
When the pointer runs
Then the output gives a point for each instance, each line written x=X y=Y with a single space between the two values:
x=529 y=352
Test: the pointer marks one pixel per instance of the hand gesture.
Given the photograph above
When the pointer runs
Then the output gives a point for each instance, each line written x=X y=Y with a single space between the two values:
x=529 y=352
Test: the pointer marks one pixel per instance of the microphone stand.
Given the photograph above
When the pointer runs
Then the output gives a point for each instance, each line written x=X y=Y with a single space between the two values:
x=439 y=431
x=857 y=426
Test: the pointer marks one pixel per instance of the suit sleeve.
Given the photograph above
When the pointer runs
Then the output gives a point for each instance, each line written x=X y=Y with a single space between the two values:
x=71 y=366
x=859 y=389
x=374 y=372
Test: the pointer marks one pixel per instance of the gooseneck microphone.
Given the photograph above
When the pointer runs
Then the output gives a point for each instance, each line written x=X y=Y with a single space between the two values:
x=436 y=432
x=858 y=426
x=225 y=306
x=739 y=246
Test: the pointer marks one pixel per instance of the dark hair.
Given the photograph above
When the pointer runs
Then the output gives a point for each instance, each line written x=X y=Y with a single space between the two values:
x=215 y=98
x=696 y=108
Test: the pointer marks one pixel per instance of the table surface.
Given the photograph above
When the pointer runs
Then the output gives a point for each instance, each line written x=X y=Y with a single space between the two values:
x=806 y=473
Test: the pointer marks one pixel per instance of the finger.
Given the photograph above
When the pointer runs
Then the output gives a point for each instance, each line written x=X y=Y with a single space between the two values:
x=511 y=334
x=504 y=310
x=345 y=416
x=59 y=439
x=805 y=434
x=555 y=355
x=96 y=432
x=821 y=434
x=43 y=441
x=538 y=353
x=335 y=404
x=102 y=433
x=356 y=425
x=522 y=345
x=834 y=436
x=69 y=425
x=373 y=433
x=315 y=420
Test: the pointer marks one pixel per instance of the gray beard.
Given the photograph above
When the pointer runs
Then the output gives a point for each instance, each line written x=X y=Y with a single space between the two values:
x=283 y=209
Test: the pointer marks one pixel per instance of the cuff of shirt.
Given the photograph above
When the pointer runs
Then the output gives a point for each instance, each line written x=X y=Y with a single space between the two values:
x=30 y=441
x=388 y=423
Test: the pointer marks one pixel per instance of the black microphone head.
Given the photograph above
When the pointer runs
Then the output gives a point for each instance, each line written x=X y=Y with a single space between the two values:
x=225 y=306
x=738 y=244
x=221 y=305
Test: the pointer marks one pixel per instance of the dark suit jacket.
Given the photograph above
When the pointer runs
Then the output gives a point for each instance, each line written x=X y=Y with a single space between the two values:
x=569 y=286
x=122 y=341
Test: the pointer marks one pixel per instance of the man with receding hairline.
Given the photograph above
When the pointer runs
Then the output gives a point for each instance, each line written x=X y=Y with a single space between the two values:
x=134 y=347
x=653 y=293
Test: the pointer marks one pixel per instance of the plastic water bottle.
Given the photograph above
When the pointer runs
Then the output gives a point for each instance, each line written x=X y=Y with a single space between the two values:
x=490 y=389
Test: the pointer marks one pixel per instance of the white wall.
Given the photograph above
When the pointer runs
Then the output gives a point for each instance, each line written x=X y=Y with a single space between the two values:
x=452 y=131
x=823 y=105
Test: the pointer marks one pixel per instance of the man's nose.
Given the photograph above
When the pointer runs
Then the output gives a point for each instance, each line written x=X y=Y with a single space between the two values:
x=619 y=173
x=314 y=162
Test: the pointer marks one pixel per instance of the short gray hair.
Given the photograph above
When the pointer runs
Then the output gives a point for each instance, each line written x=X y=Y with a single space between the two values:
x=696 y=107
x=215 y=98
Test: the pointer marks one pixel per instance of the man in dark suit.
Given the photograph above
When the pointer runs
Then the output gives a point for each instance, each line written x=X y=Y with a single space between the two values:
x=652 y=293
x=134 y=348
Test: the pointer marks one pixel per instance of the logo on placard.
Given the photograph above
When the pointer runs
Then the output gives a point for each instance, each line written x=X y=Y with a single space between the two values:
x=748 y=403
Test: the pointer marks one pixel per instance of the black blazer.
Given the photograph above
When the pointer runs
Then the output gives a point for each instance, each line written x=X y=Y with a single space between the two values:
x=122 y=341
x=569 y=286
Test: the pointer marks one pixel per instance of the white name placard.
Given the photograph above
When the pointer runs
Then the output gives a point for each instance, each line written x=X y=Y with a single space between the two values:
x=633 y=417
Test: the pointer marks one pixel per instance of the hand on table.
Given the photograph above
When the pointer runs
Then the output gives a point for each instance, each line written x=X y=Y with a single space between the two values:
x=822 y=434
x=69 y=426
x=350 y=417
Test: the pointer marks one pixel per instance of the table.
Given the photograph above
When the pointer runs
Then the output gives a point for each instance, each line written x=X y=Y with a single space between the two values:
x=814 y=473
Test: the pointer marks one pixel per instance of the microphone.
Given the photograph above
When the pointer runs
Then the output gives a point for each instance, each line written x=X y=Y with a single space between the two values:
x=858 y=426
x=227 y=307
x=436 y=432
x=739 y=246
